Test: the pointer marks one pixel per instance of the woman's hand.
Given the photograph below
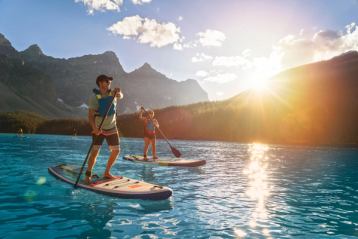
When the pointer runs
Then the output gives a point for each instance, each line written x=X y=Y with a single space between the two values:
x=156 y=124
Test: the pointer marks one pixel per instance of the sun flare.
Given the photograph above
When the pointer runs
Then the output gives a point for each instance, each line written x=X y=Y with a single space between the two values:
x=259 y=84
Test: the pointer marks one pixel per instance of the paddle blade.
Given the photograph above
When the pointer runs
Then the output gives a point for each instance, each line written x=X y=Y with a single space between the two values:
x=175 y=152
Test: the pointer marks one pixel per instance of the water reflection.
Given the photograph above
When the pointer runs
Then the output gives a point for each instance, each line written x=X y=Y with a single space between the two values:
x=258 y=187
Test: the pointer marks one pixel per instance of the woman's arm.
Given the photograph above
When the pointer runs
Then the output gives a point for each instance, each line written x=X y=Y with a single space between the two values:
x=155 y=122
x=141 y=114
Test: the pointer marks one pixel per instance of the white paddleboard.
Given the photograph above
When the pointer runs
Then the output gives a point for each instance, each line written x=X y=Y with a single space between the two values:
x=169 y=162
x=121 y=187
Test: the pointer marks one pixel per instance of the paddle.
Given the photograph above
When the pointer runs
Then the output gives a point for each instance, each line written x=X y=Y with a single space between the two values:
x=90 y=149
x=175 y=151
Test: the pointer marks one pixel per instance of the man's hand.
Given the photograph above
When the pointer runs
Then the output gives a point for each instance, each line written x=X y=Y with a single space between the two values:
x=96 y=131
x=117 y=91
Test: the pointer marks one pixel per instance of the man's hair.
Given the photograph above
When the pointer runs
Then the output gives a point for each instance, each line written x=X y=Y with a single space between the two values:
x=103 y=78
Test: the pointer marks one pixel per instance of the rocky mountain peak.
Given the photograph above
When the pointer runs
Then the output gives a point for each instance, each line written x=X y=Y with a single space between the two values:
x=6 y=47
x=33 y=50
x=4 y=41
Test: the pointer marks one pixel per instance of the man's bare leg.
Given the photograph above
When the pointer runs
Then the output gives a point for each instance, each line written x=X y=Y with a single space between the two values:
x=111 y=160
x=91 y=163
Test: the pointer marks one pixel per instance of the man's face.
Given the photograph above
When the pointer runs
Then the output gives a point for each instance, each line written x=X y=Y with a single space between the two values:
x=104 y=85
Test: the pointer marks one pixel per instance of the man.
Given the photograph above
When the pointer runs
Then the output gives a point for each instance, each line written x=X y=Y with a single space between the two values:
x=98 y=105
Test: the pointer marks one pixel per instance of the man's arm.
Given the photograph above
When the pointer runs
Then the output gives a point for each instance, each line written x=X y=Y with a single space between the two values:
x=91 y=120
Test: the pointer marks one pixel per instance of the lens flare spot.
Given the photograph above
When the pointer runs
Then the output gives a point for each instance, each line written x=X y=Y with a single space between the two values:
x=41 y=181
x=30 y=195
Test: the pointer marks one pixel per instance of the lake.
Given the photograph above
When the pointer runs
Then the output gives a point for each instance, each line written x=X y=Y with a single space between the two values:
x=244 y=191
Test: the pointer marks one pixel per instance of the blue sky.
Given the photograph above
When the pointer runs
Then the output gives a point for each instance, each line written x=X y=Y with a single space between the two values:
x=226 y=45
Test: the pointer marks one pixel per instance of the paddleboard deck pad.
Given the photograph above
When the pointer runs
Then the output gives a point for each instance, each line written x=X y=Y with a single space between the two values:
x=161 y=162
x=121 y=187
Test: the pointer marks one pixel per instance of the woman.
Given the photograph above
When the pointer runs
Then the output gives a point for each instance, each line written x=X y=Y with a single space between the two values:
x=150 y=123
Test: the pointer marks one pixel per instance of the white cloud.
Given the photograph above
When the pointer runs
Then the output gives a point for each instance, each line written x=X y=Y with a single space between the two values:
x=101 y=5
x=221 y=78
x=180 y=18
x=128 y=27
x=178 y=46
x=147 y=31
x=140 y=2
x=200 y=57
x=323 y=45
x=229 y=61
x=211 y=38
x=201 y=73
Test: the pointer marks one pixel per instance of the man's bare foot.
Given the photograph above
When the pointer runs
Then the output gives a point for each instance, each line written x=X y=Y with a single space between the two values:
x=88 y=180
x=155 y=158
x=110 y=176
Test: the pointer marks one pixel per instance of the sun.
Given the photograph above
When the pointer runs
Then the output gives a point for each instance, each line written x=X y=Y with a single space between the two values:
x=258 y=84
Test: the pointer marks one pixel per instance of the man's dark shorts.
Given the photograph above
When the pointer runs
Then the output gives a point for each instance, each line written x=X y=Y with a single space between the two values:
x=112 y=141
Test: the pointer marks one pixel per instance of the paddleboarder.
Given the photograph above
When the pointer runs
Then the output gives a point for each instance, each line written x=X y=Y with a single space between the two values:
x=150 y=123
x=98 y=106
x=20 y=132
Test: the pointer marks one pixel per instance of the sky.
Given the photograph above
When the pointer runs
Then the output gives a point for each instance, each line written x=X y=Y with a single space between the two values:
x=226 y=45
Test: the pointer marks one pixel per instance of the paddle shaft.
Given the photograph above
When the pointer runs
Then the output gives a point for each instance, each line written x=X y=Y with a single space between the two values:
x=166 y=139
x=90 y=149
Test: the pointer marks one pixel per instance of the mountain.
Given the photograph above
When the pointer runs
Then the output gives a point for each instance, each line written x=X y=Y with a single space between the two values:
x=315 y=104
x=33 y=81
x=139 y=84
x=25 y=87
x=6 y=47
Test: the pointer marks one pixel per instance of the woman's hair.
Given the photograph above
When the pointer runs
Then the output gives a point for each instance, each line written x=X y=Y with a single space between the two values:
x=149 y=112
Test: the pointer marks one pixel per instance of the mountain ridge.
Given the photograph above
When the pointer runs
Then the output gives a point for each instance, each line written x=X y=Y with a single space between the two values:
x=72 y=80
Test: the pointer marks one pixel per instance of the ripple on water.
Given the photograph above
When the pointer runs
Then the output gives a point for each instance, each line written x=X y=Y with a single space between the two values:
x=244 y=190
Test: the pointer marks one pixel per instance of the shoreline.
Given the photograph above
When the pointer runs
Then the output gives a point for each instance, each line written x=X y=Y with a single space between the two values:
x=340 y=146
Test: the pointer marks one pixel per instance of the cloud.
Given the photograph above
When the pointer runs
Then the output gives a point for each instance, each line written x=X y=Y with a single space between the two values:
x=140 y=2
x=147 y=31
x=294 y=50
x=323 y=45
x=201 y=73
x=200 y=57
x=178 y=46
x=291 y=51
x=230 y=61
x=101 y=5
x=211 y=38
x=180 y=18
x=221 y=78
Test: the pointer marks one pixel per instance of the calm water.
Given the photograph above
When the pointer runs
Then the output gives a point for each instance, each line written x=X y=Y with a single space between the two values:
x=244 y=191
